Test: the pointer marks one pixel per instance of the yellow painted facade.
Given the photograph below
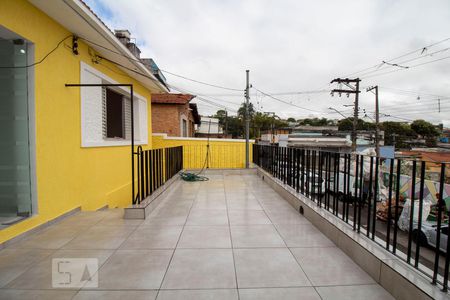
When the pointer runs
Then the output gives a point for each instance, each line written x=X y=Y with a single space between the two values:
x=68 y=176
x=224 y=153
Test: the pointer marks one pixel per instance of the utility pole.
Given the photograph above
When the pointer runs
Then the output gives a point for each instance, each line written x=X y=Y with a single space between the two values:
x=273 y=125
x=377 y=120
x=352 y=90
x=226 y=122
x=394 y=136
x=247 y=119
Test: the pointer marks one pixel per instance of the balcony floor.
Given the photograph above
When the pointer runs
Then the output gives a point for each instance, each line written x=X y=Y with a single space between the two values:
x=231 y=237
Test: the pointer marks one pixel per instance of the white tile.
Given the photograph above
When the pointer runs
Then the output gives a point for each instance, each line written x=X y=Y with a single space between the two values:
x=275 y=267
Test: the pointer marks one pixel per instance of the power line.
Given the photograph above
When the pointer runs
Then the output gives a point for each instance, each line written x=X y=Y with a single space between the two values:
x=171 y=73
x=402 y=64
x=41 y=60
x=204 y=99
x=400 y=91
x=414 y=66
x=401 y=56
x=202 y=82
x=285 y=102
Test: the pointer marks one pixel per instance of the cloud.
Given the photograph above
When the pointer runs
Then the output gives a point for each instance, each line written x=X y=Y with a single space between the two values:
x=293 y=45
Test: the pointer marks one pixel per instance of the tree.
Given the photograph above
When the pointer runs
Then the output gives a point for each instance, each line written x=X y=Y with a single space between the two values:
x=241 y=110
x=291 y=120
x=347 y=125
x=424 y=128
x=397 y=131
x=315 y=122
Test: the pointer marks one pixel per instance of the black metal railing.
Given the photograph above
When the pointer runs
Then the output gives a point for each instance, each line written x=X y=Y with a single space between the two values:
x=154 y=168
x=390 y=201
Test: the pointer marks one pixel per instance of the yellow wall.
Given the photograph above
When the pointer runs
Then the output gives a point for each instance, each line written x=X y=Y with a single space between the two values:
x=223 y=153
x=68 y=176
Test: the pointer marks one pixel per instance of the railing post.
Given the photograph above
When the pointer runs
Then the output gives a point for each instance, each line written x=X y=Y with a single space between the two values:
x=388 y=231
x=419 y=223
x=440 y=202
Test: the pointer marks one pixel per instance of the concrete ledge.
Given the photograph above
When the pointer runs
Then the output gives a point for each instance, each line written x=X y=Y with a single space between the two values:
x=396 y=276
x=142 y=210
x=40 y=227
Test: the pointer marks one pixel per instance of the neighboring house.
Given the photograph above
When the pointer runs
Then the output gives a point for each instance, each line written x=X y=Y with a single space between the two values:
x=64 y=148
x=174 y=115
x=209 y=127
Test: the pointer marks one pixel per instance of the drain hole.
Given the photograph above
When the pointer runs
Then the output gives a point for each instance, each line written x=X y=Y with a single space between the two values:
x=301 y=210
x=263 y=177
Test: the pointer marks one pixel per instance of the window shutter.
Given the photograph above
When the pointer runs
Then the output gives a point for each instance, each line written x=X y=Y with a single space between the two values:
x=127 y=117
x=104 y=114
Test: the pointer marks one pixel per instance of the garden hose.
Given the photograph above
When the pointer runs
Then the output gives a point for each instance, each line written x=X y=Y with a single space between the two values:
x=186 y=176
x=192 y=177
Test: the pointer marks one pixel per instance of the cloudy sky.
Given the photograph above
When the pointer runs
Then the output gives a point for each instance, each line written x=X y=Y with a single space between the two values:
x=294 y=48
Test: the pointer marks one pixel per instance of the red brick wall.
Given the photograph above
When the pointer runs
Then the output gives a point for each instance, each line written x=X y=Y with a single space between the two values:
x=166 y=118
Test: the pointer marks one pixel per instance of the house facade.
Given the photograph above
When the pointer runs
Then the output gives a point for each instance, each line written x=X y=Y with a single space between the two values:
x=210 y=127
x=59 y=142
x=174 y=115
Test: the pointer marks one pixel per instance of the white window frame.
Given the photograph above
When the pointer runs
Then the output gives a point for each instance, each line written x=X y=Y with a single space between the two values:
x=92 y=111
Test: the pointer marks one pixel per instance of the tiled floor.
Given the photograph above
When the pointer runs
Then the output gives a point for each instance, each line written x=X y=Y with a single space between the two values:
x=231 y=237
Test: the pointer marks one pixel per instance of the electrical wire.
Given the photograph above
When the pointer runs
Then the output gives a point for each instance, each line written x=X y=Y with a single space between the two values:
x=402 y=64
x=410 y=67
x=203 y=99
x=285 y=102
x=171 y=73
x=400 y=56
x=41 y=60
x=202 y=82
x=402 y=91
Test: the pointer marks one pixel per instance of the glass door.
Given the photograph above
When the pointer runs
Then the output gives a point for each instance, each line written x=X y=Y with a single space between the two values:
x=15 y=184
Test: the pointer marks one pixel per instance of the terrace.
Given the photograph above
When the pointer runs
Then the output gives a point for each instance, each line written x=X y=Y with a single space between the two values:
x=261 y=233
x=232 y=235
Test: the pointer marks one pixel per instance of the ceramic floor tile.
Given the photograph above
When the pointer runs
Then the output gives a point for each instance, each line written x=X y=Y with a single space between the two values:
x=36 y=294
x=153 y=237
x=53 y=237
x=101 y=237
x=207 y=217
x=222 y=294
x=253 y=204
x=330 y=266
x=212 y=203
x=205 y=237
x=164 y=220
x=303 y=235
x=303 y=293
x=134 y=269
x=14 y=262
x=39 y=276
x=248 y=236
x=286 y=217
x=264 y=267
x=366 y=292
x=200 y=269
x=115 y=295
x=84 y=218
x=248 y=217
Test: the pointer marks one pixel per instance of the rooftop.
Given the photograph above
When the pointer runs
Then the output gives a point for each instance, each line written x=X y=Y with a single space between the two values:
x=172 y=98
x=232 y=237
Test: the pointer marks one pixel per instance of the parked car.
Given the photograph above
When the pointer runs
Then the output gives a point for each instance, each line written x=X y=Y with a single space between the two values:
x=427 y=236
x=319 y=183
